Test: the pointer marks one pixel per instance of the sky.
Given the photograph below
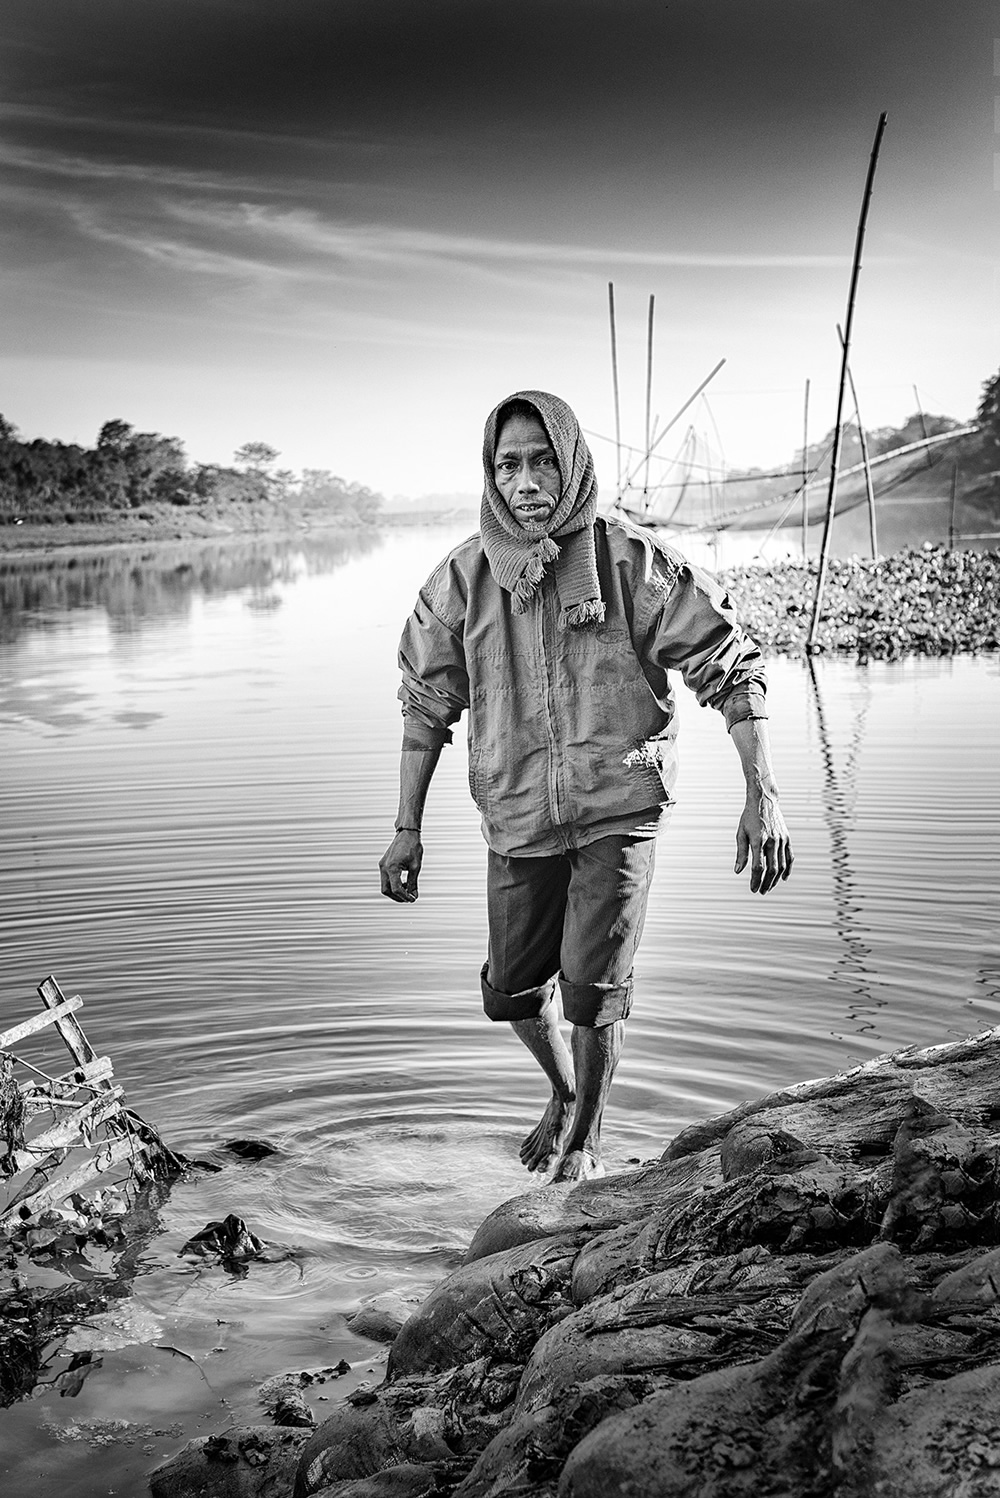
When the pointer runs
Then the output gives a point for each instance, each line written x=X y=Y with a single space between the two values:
x=349 y=227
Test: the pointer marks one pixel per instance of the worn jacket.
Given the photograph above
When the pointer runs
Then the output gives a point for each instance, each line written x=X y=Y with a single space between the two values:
x=571 y=732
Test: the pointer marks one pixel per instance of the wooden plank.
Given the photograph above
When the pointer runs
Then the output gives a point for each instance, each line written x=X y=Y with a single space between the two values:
x=51 y=1016
x=77 y=1043
x=101 y=1164
x=80 y=1076
x=88 y=1115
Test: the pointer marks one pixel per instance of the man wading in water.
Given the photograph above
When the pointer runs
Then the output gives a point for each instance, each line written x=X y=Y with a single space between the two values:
x=556 y=626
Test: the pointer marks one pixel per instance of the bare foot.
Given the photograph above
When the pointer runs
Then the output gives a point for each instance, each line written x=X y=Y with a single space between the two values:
x=544 y=1143
x=578 y=1165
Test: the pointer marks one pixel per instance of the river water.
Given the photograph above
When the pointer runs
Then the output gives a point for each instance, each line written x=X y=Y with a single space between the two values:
x=198 y=751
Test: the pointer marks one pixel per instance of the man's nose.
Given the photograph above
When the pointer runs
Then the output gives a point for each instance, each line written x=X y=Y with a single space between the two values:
x=526 y=482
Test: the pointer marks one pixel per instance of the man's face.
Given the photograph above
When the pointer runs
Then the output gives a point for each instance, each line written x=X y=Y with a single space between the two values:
x=526 y=472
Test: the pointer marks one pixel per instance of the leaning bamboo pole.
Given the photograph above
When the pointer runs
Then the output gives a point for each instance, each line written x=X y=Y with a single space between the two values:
x=863 y=435
x=649 y=398
x=824 y=556
x=805 y=475
x=671 y=423
x=614 y=381
x=923 y=423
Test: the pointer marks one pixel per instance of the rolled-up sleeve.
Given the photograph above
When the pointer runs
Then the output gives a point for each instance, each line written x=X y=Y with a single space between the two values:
x=697 y=634
x=435 y=686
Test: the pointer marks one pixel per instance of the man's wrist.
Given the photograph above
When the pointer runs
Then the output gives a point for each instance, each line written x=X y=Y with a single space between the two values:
x=757 y=787
x=404 y=828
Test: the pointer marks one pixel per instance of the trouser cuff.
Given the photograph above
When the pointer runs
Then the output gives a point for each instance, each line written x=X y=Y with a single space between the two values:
x=528 y=1004
x=595 y=1004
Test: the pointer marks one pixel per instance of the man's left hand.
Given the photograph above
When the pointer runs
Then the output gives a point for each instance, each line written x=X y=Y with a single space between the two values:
x=762 y=839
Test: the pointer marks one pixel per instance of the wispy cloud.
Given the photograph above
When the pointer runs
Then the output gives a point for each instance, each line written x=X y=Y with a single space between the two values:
x=89 y=169
x=176 y=254
x=118 y=125
x=308 y=232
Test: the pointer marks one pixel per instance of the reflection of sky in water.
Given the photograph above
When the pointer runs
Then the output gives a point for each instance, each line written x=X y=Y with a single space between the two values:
x=92 y=643
x=194 y=800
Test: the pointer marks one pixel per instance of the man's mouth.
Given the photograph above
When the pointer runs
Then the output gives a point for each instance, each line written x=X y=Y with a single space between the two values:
x=528 y=510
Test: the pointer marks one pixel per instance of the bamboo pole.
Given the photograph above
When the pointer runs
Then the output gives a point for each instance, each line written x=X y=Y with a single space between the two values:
x=923 y=423
x=649 y=399
x=954 y=506
x=869 y=489
x=805 y=475
x=648 y=498
x=672 y=422
x=831 y=502
x=614 y=381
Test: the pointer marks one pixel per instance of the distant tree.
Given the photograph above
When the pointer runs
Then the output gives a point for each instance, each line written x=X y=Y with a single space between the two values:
x=988 y=416
x=133 y=468
x=8 y=431
x=114 y=435
x=324 y=489
x=156 y=466
x=229 y=485
x=327 y=491
x=255 y=455
x=280 y=483
x=364 y=501
x=914 y=429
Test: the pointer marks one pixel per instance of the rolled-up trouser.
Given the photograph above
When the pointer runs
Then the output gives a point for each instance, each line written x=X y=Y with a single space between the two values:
x=577 y=916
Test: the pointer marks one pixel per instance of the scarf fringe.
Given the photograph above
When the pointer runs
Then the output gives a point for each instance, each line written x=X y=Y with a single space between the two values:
x=521 y=595
x=534 y=570
x=582 y=615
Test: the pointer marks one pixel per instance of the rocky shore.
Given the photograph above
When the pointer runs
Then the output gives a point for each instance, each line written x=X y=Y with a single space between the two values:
x=801 y=1297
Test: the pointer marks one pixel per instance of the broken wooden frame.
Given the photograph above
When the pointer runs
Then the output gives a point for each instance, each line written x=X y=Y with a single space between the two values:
x=92 y=1141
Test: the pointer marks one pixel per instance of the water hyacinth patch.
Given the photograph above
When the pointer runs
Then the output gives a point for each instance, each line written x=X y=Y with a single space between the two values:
x=925 y=602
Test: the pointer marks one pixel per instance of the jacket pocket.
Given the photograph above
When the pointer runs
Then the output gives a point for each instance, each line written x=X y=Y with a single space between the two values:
x=647 y=763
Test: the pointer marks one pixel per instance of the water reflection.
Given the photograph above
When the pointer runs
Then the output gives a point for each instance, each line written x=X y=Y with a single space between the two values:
x=133 y=584
x=839 y=799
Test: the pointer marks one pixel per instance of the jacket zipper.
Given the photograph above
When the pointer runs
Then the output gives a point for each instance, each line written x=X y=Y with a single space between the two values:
x=553 y=766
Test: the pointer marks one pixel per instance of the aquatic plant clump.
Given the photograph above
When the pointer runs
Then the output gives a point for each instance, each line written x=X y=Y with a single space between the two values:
x=923 y=602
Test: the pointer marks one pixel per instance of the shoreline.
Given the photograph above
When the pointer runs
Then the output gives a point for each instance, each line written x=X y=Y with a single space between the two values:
x=172 y=525
x=791 y=1298
x=926 y=601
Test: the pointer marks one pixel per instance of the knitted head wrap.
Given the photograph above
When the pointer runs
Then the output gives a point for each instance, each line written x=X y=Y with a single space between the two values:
x=517 y=558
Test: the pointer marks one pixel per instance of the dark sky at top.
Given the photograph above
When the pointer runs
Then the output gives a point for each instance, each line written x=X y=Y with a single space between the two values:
x=398 y=181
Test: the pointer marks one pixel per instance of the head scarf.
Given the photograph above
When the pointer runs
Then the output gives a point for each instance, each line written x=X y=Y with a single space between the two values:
x=518 y=558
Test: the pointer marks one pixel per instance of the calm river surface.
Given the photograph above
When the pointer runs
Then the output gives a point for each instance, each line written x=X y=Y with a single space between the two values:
x=198 y=751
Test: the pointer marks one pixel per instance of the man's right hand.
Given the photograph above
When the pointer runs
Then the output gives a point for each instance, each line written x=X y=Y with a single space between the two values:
x=400 y=865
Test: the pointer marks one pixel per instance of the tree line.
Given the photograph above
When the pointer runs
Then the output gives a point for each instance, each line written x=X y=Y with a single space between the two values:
x=128 y=471
x=980 y=451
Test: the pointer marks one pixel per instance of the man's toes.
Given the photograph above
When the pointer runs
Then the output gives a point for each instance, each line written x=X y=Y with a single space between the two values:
x=531 y=1146
x=578 y=1165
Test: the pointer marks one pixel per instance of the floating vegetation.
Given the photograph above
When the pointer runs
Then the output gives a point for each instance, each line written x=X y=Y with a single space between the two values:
x=922 y=602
